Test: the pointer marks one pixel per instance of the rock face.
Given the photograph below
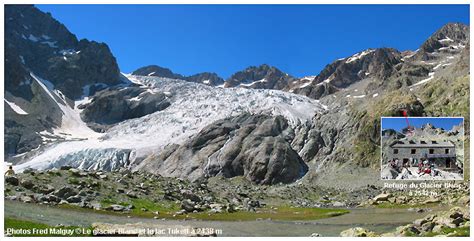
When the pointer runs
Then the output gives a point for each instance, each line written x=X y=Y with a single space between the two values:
x=113 y=106
x=316 y=91
x=261 y=77
x=35 y=43
x=44 y=46
x=254 y=146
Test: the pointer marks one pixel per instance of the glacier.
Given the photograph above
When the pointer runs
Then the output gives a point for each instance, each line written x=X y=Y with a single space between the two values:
x=193 y=106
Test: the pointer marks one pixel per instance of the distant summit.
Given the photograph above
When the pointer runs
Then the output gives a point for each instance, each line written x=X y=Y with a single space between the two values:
x=450 y=36
x=204 y=78
x=259 y=77
x=155 y=70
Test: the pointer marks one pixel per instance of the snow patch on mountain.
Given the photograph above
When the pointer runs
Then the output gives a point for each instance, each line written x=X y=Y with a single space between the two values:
x=16 y=108
x=72 y=126
x=359 y=55
x=430 y=77
x=310 y=78
x=305 y=84
x=254 y=82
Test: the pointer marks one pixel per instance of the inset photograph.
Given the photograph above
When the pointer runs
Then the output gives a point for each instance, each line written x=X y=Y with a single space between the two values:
x=422 y=148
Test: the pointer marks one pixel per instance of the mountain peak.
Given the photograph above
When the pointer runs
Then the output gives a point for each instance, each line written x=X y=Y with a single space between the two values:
x=36 y=42
x=455 y=31
x=263 y=76
x=370 y=62
x=158 y=71
x=207 y=78
x=447 y=35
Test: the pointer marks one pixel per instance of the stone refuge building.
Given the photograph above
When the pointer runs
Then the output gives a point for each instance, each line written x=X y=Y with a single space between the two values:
x=410 y=152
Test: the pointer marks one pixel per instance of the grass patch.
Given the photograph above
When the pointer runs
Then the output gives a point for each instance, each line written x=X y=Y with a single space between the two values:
x=73 y=181
x=167 y=210
x=35 y=229
x=453 y=232
x=151 y=206
x=54 y=173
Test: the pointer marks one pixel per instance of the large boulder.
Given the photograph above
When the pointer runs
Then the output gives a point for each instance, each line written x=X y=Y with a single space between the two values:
x=357 y=232
x=74 y=199
x=12 y=180
x=26 y=183
x=188 y=205
x=382 y=197
x=65 y=192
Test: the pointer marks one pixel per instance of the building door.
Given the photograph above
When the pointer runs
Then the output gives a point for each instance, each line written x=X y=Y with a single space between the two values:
x=448 y=163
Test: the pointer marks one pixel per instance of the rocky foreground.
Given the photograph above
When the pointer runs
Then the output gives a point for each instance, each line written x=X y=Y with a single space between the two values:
x=153 y=196
x=108 y=190
x=163 y=197
x=452 y=223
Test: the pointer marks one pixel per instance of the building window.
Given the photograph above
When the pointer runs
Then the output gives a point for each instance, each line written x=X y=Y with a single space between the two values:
x=434 y=142
x=431 y=151
x=446 y=151
x=413 y=151
x=412 y=142
x=423 y=142
x=395 y=151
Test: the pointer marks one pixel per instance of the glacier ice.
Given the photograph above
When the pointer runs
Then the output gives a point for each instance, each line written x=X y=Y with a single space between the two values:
x=193 y=106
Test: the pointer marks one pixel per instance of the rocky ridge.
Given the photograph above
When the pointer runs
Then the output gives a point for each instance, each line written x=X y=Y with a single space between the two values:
x=206 y=78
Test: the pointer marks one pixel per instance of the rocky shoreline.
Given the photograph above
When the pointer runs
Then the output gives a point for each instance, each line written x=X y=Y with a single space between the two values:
x=452 y=223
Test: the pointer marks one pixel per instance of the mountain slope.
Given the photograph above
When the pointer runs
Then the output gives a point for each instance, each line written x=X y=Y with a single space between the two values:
x=38 y=45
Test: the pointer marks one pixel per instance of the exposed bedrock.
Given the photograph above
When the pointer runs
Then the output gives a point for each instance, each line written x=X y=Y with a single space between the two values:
x=257 y=147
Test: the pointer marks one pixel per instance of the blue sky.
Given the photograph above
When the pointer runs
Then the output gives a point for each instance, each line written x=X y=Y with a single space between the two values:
x=399 y=123
x=298 y=39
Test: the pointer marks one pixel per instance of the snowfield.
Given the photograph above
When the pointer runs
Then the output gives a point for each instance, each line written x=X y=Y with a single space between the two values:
x=16 y=108
x=193 y=106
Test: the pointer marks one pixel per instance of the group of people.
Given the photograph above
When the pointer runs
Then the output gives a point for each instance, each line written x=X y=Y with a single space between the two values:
x=425 y=167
